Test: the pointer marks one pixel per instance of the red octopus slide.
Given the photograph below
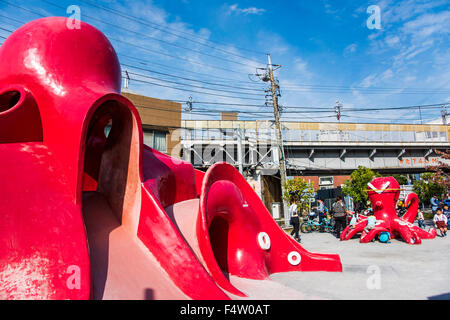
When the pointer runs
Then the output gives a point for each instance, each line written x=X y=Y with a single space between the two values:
x=94 y=215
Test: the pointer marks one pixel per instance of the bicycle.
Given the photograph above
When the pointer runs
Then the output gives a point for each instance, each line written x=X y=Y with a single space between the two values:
x=311 y=225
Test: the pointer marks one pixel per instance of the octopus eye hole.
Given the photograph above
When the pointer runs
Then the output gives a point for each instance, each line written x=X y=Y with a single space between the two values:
x=8 y=100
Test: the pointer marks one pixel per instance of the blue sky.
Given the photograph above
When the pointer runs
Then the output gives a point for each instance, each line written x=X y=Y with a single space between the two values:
x=325 y=48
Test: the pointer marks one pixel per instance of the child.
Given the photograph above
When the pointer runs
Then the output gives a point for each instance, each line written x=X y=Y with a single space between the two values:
x=440 y=222
x=446 y=212
x=420 y=219
x=353 y=220
x=371 y=221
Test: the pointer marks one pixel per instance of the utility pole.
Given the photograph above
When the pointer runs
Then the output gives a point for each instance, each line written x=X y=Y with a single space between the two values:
x=126 y=80
x=444 y=115
x=420 y=114
x=338 y=110
x=274 y=87
x=239 y=150
x=189 y=107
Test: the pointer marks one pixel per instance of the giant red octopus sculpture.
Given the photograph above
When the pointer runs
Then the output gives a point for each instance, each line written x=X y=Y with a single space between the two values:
x=383 y=195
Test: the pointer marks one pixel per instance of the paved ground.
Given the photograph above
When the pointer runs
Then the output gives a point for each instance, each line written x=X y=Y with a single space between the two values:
x=376 y=270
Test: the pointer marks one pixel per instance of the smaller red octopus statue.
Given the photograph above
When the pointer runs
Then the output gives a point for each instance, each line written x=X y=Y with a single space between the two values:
x=383 y=195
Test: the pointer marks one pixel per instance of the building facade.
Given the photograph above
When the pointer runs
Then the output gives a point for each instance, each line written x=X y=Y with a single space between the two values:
x=161 y=122
x=324 y=153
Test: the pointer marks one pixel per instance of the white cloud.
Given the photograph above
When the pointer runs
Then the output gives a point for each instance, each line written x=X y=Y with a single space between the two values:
x=392 y=40
x=246 y=11
x=428 y=24
x=351 y=48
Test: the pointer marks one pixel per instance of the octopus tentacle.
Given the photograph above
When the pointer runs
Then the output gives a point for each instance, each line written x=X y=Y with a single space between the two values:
x=367 y=237
x=412 y=200
x=423 y=234
x=348 y=232
x=406 y=231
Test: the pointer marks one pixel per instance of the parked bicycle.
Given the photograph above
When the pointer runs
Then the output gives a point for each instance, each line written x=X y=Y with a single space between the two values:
x=313 y=225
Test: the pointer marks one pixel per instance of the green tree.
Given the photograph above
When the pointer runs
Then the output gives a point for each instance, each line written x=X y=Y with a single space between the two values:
x=402 y=179
x=427 y=187
x=300 y=191
x=356 y=187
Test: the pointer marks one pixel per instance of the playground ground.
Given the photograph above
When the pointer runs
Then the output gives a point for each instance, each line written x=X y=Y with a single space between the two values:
x=384 y=271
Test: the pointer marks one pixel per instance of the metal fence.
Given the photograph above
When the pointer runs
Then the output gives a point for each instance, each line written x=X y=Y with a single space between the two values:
x=294 y=132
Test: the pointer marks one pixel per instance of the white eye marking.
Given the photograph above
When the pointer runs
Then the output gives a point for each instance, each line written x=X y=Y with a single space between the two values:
x=384 y=187
x=264 y=241
x=372 y=187
x=294 y=258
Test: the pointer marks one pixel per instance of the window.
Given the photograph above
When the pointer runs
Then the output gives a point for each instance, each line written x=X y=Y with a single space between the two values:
x=326 y=182
x=156 y=140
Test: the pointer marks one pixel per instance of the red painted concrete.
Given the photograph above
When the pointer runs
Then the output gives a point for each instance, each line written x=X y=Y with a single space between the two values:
x=87 y=215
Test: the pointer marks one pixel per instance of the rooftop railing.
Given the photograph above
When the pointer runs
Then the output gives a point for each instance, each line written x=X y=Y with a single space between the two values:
x=304 y=132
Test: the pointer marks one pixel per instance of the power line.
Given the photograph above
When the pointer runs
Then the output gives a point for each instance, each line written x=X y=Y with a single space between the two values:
x=23 y=8
x=152 y=38
x=136 y=46
x=193 y=86
x=287 y=107
x=317 y=88
x=171 y=56
x=4 y=29
x=189 y=79
x=144 y=62
x=163 y=28
x=303 y=86
x=12 y=19
x=193 y=91
x=370 y=92
x=223 y=85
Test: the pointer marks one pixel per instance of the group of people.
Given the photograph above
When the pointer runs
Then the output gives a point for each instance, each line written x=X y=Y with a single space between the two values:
x=441 y=213
x=339 y=212
x=441 y=219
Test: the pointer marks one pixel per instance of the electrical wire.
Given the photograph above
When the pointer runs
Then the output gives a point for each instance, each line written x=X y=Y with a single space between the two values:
x=194 y=86
x=163 y=28
x=187 y=79
x=137 y=46
x=145 y=62
x=193 y=91
x=300 y=110
x=209 y=75
x=153 y=38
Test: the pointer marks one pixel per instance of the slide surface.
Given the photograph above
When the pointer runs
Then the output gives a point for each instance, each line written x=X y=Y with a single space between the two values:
x=122 y=267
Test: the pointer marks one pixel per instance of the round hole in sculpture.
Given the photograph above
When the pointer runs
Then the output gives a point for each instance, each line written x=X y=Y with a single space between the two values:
x=264 y=241
x=294 y=258
x=8 y=100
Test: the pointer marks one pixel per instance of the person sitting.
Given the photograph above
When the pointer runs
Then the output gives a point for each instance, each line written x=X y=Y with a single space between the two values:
x=401 y=208
x=353 y=221
x=434 y=201
x=313 y=213
x=440 y=222
x=446 y=212
x=446 y=201
x=371 y=221
x=420 y=219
